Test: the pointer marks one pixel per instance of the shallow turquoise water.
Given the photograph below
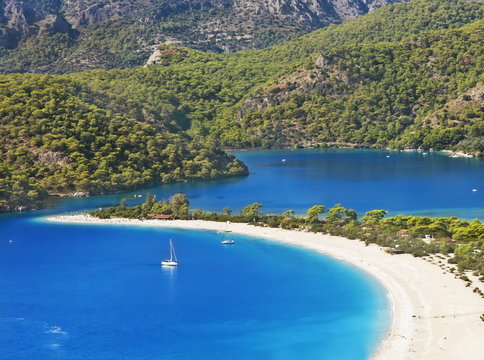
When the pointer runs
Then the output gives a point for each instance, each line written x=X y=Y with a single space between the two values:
x=98 y=292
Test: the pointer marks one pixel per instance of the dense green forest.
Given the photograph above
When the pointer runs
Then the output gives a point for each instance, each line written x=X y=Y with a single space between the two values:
x=408 y=75
x=57 y=138
x=381 y=95
x=385 y=94
x=401 y=233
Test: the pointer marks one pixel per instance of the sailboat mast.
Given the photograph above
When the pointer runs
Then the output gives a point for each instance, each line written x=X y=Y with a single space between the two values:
x=173 y=253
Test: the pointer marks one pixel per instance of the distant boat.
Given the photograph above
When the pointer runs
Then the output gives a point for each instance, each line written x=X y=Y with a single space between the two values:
x=227 y=228
x=227 y=241
x=172 y=261
x=474 y=190
x=283 y=160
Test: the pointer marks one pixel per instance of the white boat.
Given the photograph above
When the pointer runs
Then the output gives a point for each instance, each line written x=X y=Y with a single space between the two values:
x=172 y=261
x=228 y=242
x=226 y=228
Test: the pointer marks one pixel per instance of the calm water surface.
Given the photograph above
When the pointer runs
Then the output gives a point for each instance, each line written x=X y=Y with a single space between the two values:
x=400 y=182
x=98 y=292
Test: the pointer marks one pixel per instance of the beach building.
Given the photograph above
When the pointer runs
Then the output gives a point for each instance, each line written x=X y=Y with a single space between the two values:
x=160 y=216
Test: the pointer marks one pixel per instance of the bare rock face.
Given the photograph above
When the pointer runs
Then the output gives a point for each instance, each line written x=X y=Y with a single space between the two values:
x=53 y=159
x=16 y=22
x=321 y=62
x=154 y=58
x=20 y=19
x=313 y=12
x=100 y=11
x=54 y=24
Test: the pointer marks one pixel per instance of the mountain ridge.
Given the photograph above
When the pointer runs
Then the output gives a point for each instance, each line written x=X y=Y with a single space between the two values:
x=107 y=34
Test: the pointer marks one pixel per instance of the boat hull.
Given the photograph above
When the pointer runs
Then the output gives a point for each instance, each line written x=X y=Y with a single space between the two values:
x=169 y=263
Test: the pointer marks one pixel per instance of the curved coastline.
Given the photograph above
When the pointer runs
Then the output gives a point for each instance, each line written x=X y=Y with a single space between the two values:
x=434 y=316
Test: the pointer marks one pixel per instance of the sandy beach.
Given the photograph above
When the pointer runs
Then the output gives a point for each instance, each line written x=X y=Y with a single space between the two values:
x=434 y=315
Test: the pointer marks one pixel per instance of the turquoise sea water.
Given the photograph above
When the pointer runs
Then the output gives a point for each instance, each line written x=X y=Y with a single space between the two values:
x=98 y=292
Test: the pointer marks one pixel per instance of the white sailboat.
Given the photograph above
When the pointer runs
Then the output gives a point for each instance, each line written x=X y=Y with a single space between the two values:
x=172 y=261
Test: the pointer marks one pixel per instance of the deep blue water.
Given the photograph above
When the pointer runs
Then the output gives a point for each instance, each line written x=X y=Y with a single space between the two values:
x=404 y=182
x=98 y=292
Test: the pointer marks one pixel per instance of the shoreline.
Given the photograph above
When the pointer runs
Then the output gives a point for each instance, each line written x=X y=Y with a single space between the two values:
x=446 y=152
x=433 y=316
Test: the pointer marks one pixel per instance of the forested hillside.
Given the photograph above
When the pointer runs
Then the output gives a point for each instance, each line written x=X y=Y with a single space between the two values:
x=56 y=140
x=342 y=84
x=405 y=76
x=385 y=94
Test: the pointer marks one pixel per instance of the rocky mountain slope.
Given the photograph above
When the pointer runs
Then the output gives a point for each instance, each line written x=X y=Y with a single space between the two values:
x=72 y=35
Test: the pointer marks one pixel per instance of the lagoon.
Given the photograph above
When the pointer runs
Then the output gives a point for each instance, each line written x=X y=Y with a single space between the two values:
x=76 y=291
x=363 y=179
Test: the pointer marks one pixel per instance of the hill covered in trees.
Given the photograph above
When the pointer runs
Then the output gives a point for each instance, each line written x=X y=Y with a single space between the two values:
x=394 y=94
x=378 y=80
x=407 y=75
x=56 y=140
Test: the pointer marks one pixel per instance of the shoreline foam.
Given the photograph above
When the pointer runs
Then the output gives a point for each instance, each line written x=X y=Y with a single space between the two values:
x=434 y=316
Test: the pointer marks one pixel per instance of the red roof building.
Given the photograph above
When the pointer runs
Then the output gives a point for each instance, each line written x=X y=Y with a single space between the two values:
x=160 y=216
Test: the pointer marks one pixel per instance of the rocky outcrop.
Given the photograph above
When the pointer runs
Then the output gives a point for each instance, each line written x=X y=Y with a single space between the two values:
x=53 y=24
x=16 y=22
x=313 y=12
x=21 y=19
x=246 y=20
x=53 y=159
